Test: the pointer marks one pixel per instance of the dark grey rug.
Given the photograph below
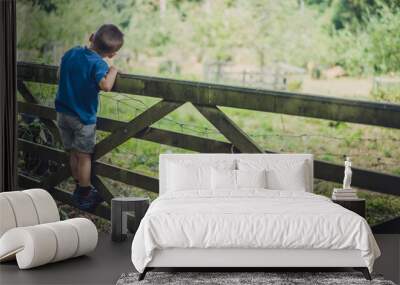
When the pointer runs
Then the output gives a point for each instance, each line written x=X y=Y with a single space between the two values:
x=243 y=278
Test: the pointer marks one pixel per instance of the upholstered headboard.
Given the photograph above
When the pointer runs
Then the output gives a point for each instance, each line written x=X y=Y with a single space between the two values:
x=209 y=159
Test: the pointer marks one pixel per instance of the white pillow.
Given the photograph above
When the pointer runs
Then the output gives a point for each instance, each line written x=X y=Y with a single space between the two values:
x=185 y=174
x=281 y=175
x=227 y=179
x=223 y=179
x=293 y=180
x=182 y=177
x=251 y=178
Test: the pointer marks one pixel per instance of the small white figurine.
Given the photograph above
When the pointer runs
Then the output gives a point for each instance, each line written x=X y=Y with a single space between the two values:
x=347 y=174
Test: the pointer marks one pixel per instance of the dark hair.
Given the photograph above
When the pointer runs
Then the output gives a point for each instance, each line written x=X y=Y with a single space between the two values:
x=108 y=39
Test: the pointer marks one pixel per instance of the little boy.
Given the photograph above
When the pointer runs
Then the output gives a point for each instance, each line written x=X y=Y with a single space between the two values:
x=82 y=74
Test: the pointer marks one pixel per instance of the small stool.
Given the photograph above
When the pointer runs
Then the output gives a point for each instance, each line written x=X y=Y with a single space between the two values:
x=124 y=209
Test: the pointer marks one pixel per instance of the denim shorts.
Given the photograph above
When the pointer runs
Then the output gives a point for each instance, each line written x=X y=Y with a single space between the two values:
x=75 y=135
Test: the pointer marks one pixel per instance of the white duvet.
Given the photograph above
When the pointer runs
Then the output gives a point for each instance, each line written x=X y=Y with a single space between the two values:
x=250 y=219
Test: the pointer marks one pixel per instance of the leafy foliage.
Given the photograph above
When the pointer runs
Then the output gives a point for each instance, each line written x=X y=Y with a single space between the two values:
x=361 y=36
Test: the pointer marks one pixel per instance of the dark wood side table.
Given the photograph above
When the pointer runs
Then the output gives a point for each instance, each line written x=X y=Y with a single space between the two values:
x=355 y=205
x=124 y=209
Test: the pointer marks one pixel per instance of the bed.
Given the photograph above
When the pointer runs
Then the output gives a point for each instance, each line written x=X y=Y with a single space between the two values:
x=247 y=210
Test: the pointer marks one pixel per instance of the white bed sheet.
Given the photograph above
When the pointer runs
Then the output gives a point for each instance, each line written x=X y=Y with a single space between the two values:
x=252 y=218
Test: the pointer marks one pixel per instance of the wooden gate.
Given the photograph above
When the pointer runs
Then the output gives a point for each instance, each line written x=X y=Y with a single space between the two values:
x=207 y=99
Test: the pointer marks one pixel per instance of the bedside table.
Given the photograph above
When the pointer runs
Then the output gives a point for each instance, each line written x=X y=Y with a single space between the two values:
x=124 y=208
x=355 y=205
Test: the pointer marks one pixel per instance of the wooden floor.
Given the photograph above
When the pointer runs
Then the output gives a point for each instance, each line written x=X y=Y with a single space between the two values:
x=103 y=266
x=111 y=259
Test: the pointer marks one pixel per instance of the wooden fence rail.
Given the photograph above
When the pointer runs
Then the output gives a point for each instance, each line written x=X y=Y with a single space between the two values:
x=207 y=98
x=322 y=107
x=367 y=179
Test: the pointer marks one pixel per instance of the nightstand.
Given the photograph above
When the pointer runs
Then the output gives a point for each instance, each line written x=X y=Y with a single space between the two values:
x=355 y=205
x=124 y=209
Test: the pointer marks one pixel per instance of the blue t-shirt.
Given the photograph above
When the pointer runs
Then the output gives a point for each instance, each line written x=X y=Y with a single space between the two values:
x=81 y=71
